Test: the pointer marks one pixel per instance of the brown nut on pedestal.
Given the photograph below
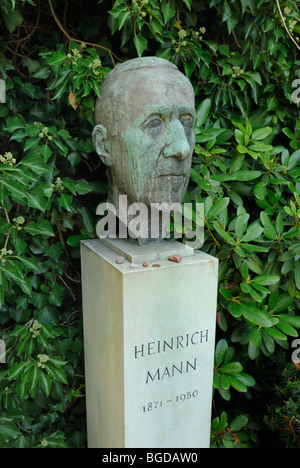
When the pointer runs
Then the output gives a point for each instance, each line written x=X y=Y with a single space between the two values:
x=175 y=258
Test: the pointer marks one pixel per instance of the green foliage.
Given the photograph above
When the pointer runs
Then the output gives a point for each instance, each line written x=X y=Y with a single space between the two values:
x=283 y=411
x=228 y=373
x=237 y=434
x=77 y=73
x=241 y=57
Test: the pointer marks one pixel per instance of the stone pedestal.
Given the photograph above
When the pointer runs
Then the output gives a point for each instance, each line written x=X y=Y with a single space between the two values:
x=149 y=337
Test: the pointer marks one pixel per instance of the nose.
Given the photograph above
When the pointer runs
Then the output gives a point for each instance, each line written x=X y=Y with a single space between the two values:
x=177 y=145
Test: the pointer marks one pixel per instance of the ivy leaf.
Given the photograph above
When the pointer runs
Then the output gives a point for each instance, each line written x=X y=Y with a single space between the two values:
x=47 y=315
x=168 y=11
x=35 y=376
x=16 y=370
x=20 y=442
x=13 y=272
x=123 y=17
x=14 y=123
x=42 y=227
x=14 y=188
x=31 y=143
x=56 y=373
x=8 y=430
x=65 y=201
x=46 y=383
x=188 y=3
x=36 y=163
x=255 y=76
x=45 y=151
x=36 y=198
x=25 y=285
x=12 y=19
x=57 y=361
x=30 y=263
x=229 y=17
x=140 y=44
x=57 y=58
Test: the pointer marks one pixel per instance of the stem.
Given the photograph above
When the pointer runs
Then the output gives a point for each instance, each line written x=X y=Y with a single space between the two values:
x=284 y=23
x=34 y=28
x=7 y=238
x=8 y=234
x=6 y=215
x=210 y=232
x=72 y=39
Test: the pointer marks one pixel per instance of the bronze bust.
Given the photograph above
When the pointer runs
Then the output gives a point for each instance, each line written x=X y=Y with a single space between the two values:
x=144 y=133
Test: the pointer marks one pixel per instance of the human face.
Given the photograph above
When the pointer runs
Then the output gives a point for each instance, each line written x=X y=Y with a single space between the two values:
x=154 y=143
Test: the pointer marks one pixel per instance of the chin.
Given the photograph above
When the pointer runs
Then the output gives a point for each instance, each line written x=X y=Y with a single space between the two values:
x=167 y=190
x=166 y=198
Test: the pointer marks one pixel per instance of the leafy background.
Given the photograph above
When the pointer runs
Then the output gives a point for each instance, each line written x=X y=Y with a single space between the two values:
x=241 y=57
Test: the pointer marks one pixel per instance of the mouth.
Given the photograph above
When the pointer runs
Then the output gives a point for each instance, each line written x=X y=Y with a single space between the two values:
x=172 y=174
x=172 y=171
x=172 y=168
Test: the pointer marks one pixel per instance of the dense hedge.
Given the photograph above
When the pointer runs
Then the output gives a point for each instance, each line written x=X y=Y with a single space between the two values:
x=241 y=57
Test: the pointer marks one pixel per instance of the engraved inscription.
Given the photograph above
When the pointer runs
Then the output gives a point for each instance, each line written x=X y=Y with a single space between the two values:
x=165 y=346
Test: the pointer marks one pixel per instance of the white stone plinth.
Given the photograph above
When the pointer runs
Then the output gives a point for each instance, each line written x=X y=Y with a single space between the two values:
x=149 y=337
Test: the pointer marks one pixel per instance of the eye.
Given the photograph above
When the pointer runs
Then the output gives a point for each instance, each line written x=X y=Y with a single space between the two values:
x=156 y=122
x=187 y=121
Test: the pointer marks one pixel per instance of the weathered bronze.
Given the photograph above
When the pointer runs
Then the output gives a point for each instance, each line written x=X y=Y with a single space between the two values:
x=144 y=133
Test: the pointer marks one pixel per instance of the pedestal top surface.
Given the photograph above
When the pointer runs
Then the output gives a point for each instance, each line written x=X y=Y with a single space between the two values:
x=154 y=256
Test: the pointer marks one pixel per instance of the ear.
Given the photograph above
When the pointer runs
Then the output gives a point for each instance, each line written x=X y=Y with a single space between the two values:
x=100 y=141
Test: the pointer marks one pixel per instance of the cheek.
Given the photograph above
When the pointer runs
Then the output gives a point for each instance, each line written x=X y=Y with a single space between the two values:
x=190 y=136
x=141 y=149
x=140 y=154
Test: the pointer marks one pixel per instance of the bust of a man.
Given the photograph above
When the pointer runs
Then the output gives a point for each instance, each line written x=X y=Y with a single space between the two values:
x=144 y=132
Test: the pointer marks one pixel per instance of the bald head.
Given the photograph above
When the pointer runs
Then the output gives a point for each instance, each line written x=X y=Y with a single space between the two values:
x=138 y=83
x=144 y=131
